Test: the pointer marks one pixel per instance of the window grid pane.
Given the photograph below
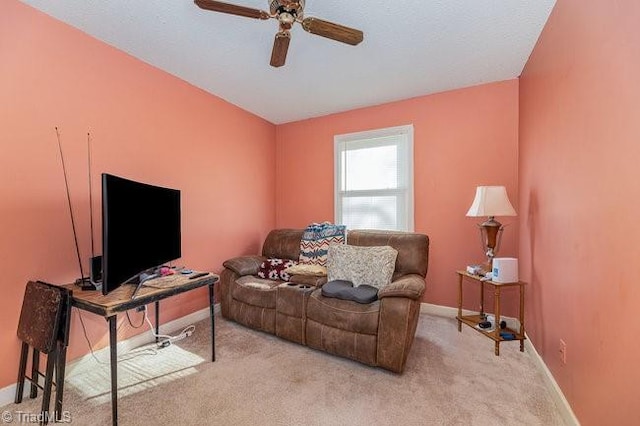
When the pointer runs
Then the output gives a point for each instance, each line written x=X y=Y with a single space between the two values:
x=370 y=212
x=374 y=179
x=371 y=168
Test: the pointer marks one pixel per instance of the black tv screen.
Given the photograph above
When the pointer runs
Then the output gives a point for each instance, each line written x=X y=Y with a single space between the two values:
x=140 y=229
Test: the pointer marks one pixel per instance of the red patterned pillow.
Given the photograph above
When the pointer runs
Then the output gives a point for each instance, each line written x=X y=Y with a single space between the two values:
x=274 y=269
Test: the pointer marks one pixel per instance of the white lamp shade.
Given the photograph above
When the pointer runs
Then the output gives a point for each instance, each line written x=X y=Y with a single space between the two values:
x=491 y=201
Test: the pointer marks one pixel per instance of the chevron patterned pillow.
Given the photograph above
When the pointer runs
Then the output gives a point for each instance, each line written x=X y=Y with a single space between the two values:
x=316 y=239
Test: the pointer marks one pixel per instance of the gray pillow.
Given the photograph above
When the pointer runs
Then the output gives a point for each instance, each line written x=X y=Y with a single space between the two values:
x=373 y=266
x=346 y=291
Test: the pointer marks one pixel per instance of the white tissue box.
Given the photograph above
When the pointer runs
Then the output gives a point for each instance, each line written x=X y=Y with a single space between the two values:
x=505 y=270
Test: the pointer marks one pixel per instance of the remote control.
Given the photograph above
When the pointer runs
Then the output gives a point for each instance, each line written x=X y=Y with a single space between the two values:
x=198 y=275
x=507 y=336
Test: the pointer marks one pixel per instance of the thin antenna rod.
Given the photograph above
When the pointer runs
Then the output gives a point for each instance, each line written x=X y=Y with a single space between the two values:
x=73 y=222
x=93 y=251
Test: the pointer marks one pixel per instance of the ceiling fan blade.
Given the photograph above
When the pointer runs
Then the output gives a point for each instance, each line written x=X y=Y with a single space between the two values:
x=280 y=48
x=232 y=9
x=333 y=31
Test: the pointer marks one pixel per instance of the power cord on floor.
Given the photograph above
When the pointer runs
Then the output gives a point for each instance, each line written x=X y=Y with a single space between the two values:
x=166 y=341
x=124 y=357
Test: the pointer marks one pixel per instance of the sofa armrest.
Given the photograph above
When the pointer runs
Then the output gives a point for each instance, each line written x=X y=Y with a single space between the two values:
x=244 y=265
x=410 y=286
x=396 y=331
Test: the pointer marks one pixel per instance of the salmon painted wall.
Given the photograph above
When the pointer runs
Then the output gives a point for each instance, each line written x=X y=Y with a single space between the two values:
x=146 y=125
x=462 y=139
x=579 y=199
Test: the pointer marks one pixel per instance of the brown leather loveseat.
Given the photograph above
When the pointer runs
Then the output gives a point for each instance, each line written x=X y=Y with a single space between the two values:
x=379 y=333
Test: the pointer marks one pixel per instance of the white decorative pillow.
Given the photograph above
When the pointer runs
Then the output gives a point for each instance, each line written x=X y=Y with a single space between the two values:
x=373 y=266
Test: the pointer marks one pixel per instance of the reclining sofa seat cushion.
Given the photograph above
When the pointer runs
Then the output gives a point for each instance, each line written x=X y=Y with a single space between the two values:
x=247 y=299
x=361 y=331
x=343 y=327
x=255 y=291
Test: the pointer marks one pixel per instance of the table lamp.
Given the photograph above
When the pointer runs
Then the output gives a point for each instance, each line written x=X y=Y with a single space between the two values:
x=491 y=201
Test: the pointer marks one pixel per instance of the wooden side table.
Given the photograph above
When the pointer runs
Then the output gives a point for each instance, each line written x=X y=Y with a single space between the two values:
x=473 y=320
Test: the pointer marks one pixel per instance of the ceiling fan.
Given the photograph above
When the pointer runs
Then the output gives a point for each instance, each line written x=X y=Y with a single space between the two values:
x=287 y=12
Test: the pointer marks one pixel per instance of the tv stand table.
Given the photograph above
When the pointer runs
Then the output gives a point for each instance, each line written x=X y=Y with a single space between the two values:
x=119 y=300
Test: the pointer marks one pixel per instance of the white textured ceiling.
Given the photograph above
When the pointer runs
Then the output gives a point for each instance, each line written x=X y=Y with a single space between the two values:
x=410 y=48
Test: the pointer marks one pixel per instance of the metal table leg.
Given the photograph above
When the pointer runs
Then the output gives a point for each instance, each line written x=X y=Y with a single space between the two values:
x=113 y=347
x=460 y=303
x=157 y=320
x=213 y=328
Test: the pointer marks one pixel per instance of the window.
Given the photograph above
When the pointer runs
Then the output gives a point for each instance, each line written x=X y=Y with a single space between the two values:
x=374 y=179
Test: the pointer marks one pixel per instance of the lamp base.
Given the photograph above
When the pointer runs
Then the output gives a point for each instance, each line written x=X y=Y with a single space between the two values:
x=490 y=236
x=490 y=231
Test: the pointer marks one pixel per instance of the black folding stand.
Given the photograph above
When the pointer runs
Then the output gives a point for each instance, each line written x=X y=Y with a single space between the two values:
x=44 y=327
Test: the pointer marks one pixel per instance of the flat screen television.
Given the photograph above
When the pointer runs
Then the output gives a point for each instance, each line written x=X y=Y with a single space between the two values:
x=140 y=229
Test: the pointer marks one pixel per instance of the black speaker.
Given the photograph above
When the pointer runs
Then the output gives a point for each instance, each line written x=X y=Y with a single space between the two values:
x=95 y=273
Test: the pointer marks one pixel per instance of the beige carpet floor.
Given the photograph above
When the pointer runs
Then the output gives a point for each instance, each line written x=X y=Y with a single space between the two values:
x=451 y=378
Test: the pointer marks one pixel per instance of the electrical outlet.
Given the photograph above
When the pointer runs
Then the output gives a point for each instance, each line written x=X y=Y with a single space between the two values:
x=563 y=352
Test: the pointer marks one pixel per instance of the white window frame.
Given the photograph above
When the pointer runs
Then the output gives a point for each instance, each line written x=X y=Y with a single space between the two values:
x=368 y=138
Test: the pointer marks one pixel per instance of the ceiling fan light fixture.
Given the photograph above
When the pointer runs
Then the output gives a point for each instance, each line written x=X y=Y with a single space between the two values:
x=287 y=12
x=278 y=6
x=286 y=18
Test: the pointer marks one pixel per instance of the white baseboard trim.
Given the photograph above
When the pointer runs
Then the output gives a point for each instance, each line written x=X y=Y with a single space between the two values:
x=561 y=402
x=8 y=393
x=556 y=393
x=441 y=311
